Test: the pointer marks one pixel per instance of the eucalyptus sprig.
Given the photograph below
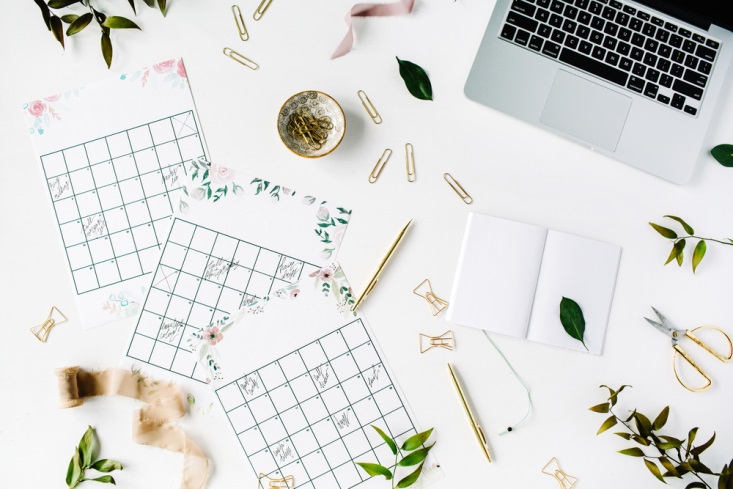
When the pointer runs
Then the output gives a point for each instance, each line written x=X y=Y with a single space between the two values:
x=415 y=445
x=82 y=460
x=78 y=23
x=678 y=457
x=679 y=242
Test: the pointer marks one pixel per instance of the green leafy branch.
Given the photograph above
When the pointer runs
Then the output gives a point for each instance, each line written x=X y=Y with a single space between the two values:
x=77 y=23
x=417 y=456
x=677 y=457
x=82 y=460
x=679 y=242
x=723 y=153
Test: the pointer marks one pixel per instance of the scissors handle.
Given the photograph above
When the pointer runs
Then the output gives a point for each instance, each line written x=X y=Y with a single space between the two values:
x=678 y=350
x=690 y=333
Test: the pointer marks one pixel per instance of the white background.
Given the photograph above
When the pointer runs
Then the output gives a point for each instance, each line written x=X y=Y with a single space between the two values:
x=512 y=170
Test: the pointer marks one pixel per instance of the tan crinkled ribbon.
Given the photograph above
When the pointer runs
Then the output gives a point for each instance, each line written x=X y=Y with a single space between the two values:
x=164 y=404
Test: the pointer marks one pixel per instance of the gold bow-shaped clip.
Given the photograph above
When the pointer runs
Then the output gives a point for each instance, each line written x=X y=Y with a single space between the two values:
x=446 y=340
x=41 y=331
x=287 y=482
x=424 y=290
x=552 y=468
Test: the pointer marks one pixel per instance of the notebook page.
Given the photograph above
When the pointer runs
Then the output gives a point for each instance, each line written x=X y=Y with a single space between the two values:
x=581 y=269
x=496 y=275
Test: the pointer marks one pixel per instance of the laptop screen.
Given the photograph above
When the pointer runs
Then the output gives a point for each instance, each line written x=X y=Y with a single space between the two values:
x=700 y=13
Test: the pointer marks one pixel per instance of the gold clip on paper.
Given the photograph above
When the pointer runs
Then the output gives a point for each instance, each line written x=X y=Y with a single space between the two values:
x=552 y=468
x=241 y=59
x=410 y=162
x=424 y=290
x=369 y=106
x=239 y=21
x=380 y=165
x=41 y=331
x=264 y=5
x=446 y=340
x=287 y=482
x=457 y=188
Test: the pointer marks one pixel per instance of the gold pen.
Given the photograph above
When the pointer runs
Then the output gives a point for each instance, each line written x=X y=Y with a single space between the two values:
x=476 y=428
x=382 y=265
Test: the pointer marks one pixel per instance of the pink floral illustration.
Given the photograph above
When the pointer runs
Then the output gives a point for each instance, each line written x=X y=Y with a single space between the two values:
x=36 y=108
x=213 y=336
x=221 y=174
x=52 y=98
x=164 y=66
x=326 y=274
x=181 y=69
x=294 y=293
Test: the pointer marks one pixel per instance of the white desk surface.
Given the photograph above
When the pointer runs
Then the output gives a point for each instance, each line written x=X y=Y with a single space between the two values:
x=512 y=170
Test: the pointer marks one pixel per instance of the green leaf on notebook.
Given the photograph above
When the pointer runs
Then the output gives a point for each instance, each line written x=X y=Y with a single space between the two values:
x=571 y=317
x=416 y=80
x=723 y=153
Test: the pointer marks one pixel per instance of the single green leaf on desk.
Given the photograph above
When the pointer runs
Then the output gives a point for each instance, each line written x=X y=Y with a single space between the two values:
x=661 y=419
x=415 y=441
x=723 y=153
x=78 y=24
x=416 y=457
x=106 y=465
x=410 y=479
x=375 y=470
x=162 y=6
x=391 y=444
x=632 y=452
x=57 y=28
x=607 y=425
x=117 y=22
x=73 y=473
x=87 y=447
x=107 y=48
x=654 y=470
x=698 y=254
x=688 y=229
x=666 y=232
x=69 y=18
x=571 y=317
x=701 y=448
x=600 y=408
x=416 y=80
x=676 y=253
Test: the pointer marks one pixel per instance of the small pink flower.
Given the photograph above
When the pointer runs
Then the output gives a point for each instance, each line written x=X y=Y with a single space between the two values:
x=326 y=274
x=323 y=214
x=221 y=174
x=294 y=293
x=52 y=98
x=213 y=336
x=37 y=108
x=164 y=66
x=181 y=69
x=287 y=191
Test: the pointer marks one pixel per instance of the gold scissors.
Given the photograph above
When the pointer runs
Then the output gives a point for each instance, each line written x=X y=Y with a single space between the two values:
x=677 y=334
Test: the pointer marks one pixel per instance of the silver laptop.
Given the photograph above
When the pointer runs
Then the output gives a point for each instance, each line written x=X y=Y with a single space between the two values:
x=638 y=81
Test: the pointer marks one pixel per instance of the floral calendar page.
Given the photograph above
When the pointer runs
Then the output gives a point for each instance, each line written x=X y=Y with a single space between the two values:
x=112 y=160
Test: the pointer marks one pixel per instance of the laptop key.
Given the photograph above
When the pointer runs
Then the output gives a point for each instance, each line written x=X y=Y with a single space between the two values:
x=624 y=34
x=542 y=15
x=583 y=32
x=524 y=7
x=695 y=78
x=558 y=36
x=670 y=27
x=521 y=21
x=599 y=53
x=664 y=65
x=596 y=37
x=675 y=40
x=623 y=49
x=657 y=21
x=649 y=30
x=612 y=58
x=686 y=89
x=650 y=59
x=712 y=44
x=636 y=24
x=663 y=98
x=555 y=21
x=691 y=61
x=643 y=15
x=535 y=43
x=690 y=110
x=677 y=70
x=639 y=69
x=572 y=42
x=584 y=18
x=622 y=19
x=698 y=38
x=704 y=67
x=666 y=81
x=685 y=33
x=597 y=23
x=651 y=45
x=678 y=101
x=557 y=6
x=625 y=64
x=705 y=53
x=545 y=30
x=611 y=29
x=593 y=67
x=678 y=56
x=585 y=47
x=595 y=8
x=637 y=54
x=570 y=12
x=615 y=4
x=522 y=38
x=569 y=26
x=637 y=40
x=665 y=51
x=636 y=84
x=662 y=35
x=688 y=46
x=544 y=3
x=652 y=75
x=609 y=43
x=551 y=49
x=508 y=32
x=583 y=4
x=609 y=13
x=629 y=10
x=651 y=89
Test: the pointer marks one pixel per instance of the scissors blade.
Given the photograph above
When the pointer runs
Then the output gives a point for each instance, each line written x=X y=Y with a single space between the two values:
x=661 y=327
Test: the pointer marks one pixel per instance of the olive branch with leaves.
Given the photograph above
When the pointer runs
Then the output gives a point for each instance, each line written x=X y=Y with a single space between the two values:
x=77 y=23
x=417 y=456
x=679 y=242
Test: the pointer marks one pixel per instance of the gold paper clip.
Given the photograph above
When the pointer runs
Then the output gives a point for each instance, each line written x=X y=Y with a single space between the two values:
x=410 y=162
x=369 y=106
x=566 y=481
x=239 y=58
x=264 y=5
x=446 y=340
x=425 y=291
x=380 y=165
x=287 y=482
x=239 y=20
x=457 y=188
x=41 y=331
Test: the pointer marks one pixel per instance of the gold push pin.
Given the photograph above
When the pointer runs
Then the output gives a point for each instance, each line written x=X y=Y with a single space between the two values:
x=41 y=331
x=424 y=290
x=446 y=340
x=287 y=482
x=552 y=468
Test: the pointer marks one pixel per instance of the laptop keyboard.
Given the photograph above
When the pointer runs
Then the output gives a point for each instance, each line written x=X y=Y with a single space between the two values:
x=619 y=43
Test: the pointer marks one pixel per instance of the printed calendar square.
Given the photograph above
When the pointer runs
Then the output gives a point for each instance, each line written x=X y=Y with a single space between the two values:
x=265 y=460
x=172 y=176
x=246 y=255
x=374 y=439
x=315 y=464
x=146 y=161
x=292 y=365
x=104 y=173
x=273 y=430
x=347 y=475
x=97 y=151
x=161 y=131
x=336 y=453
x=259 y=285
x=272 y=376
x=201 y=316
x=314 y=409
x=333 y=344
x=387 y=400
x=224 y=248
x=251 y=386
x=53 y=164
x=326 y=481
x=181 y=233
x=376 y=378
x=118 y=144
x=365 y=356
x=184 y=364
x=131 y=190
x=334 y=399
x=101 y=249
x=208 y=293
x=354 y=334
x=116 y=219
x=324 y=431
x=141 y=347
x=170 y=331
x=303 y=387
x=168 y=154
x=125 y=167
x=217 y=269
x=159 y=206
x=162 y=355
x=178 y=309
x=66 y=210
x=140 y=138
x=267 y=262
x=72 y=233
x=60 y=187
x=75 y=158
x=195 y=263
x=203 y=240
x=399 y=423
x=345 y=421
x=129 y=266
x=283 y=398
x=149 y=324
x=187 y=285
x=357 y=444
x=298 y=472
x=157 y=301
x=173 y=255
x=149 y=258
x=344 y=366
x=153 y=183
x=79 y=256
x=165 y=278
x=94 y=226
x=82 y=180
x=122 y=243
x=366 y=411
x=323 y=377
x=191 y=147
x=107 y=273
x=262 y=408
x=384 y=455
x=230 y=300
x=88 y=203
x=144 y=236
x=109 y=197
x=230 y=397
x=252 y=440
x=183 y=124
x=162 y=226
x=241 y=418
x=313 y=355
x=283 y=452
x=293 y=419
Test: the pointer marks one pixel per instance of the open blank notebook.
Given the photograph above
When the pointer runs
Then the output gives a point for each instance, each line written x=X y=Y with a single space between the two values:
x=512 y=276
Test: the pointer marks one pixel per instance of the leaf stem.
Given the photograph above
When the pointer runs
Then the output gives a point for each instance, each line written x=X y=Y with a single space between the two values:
x=704 y=239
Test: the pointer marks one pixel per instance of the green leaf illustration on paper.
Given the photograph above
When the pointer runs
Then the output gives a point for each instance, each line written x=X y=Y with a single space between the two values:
x=571 y=317
x=416 y=80
x=723 y=153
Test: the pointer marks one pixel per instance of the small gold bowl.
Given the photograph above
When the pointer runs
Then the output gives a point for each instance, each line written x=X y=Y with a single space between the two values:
x=320 y=105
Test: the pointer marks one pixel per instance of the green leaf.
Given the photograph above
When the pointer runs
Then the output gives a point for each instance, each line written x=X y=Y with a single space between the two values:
x=698 y=254
x=667 y=446
x=416 y=80
x=415 y=441
x=625 y=436
x=680 y=259
x=73 y=473
x=410 y=479
x=162 y=7
x=641 y=440
x=643 y=424
x=87 y=446
x=69 y=18
x=62 y=3
x=688 y=229
x=676 y=252
x=696 y=485
x=661 y=419
x=670 y=439
x=654 y=470
x=699 y=466
x=390 y=443
x=416 y=457
x=571 y=317
x=723 y=153
x=608 y=424
x=106 y=465
x=375 y=470
x=117 y=22
x=613 y=397
x=666 y=232
x=107 y=48
x=600 y=408
x=690 y=438
x=105 y=478
x=58 y=29
x=79 y=24
x=150 y=3
x=132 y=4
x=701 y=448
x=45 y=13
x=632 y=452
x=671 y=469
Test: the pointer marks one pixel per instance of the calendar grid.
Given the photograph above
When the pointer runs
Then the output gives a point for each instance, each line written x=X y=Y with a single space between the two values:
x=114 y=196
x=203 y=276
x=270 y=414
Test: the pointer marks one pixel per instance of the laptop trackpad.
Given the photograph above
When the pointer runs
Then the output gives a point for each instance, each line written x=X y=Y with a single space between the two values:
x=586 y=110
